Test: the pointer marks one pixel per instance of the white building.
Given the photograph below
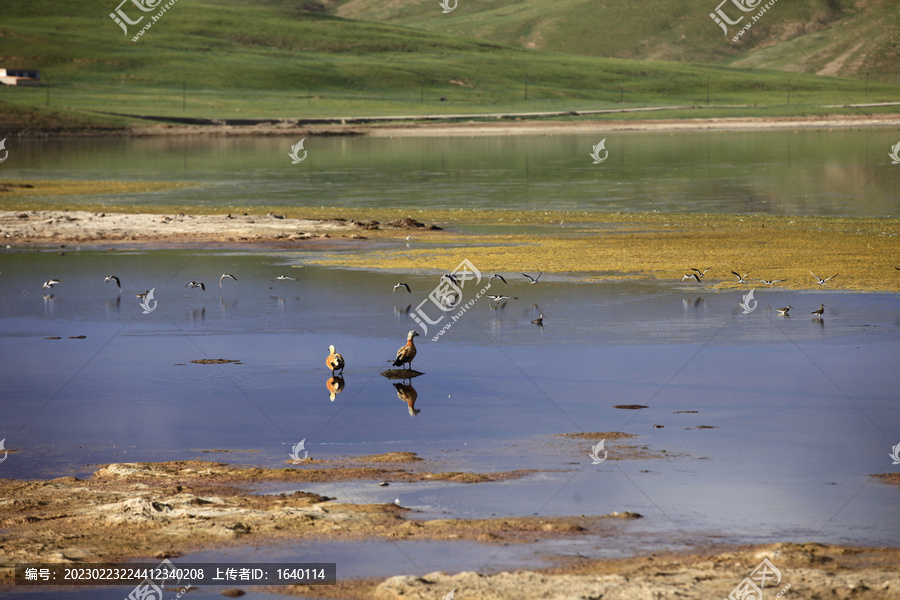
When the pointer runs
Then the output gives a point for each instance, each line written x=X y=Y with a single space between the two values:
x=20 y=77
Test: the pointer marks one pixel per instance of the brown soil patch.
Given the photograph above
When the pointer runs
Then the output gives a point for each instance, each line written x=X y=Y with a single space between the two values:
x=809 y=572
x=167 y=509
x=215 y=361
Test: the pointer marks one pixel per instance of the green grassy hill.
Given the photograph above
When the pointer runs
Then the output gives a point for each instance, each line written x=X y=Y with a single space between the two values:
x=830 y=37
x=271 y=59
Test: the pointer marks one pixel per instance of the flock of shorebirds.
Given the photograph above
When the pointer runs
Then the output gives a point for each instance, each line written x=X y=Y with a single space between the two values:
x=698 y=275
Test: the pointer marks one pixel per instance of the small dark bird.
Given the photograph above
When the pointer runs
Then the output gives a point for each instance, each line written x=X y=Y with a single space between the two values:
x=539 y=321
x=401 y=285
x=144 y=295
x=784 y=311
x=113 y=278
x=497 y=276
x=819 y=312
x=194 y=284
x=534 y=280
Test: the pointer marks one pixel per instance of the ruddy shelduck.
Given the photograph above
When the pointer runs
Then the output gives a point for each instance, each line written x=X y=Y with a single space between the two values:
x=335 y=361
x=407 y=353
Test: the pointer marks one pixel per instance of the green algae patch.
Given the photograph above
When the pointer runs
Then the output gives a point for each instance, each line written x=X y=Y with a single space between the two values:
x=862 y=251
x=20 y=188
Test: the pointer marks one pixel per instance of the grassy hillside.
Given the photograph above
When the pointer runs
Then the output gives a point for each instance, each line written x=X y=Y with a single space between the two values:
x=831 y=37
x=271 y=59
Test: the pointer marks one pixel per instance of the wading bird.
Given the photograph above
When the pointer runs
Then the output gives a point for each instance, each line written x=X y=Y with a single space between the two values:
x=770 y=281
x=50 y=283
x=407 y=353
x=113 y=278
x=819 y=312
x=539 y=321
x=699 y=272
x=784 y=311
x=335 y=361
x=194 y=284
x=691 y=276
x=283 y=278
x=740 y=277
x=401 y=285
x=224 y=275
x=497 y=276
x=534 y=280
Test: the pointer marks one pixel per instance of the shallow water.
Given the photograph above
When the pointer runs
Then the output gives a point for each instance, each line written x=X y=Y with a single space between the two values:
x=841 y=172
x=801 y=410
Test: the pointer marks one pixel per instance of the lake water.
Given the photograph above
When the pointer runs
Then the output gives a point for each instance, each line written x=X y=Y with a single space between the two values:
x=843 y=172
x=792 y=416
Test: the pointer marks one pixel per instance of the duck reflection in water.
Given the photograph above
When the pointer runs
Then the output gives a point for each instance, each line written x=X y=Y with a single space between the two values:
x=335 y=386
x=408 y=394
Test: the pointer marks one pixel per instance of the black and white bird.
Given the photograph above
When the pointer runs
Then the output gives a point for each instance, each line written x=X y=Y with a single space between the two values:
x=819 y=312
x=534 y=280
x=691 y=276
x=502 y=298
x=539 y=321
x=401 y=285
x=113 y=278
x=770 y=281
x=144 y=295
x=497 y=276
x=699 y=272
x=451 y=277
x=228 y=275
x=283 y=278
x=784 y=311
x=50 y=283
x=821 y=281
x=739 y=276
x=194 y=284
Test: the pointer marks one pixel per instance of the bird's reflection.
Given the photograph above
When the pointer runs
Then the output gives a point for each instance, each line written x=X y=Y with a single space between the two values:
x=49 y=304
x=198 y=314
x=399 y=313
x=408 y=394
x=226 y=306
x=695 y=304
x=113 y=304
x=281 y=301
x=335 y=386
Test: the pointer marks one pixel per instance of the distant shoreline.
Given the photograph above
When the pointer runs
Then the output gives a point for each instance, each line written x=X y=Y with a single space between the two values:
x=501 y=124
x=507 y=126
